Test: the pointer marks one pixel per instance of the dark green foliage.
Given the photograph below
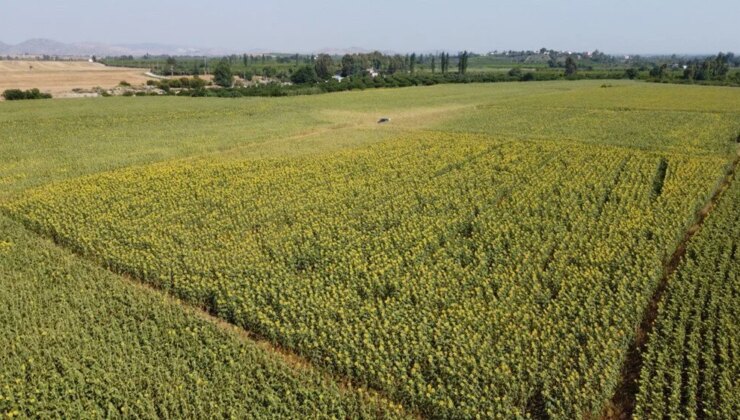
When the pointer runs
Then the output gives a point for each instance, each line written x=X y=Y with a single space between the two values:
x=631 y=73
x=304 y=75
x=324 y=66
x=17 y=94
x=462 y=62
x=515 y=72
x=658 y=72
x=223 y=76
x=571 y=68
x=659 y=178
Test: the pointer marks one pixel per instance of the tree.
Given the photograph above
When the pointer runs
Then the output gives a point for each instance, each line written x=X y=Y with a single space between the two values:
x=348 y=64
x=721 y=66
x=462 y=62
x=223 y=76
x=269 y=71
x=570 y=67
x=412 y=63
x=171 y=63
x=324 y=66
x=631 y=73
x=658 y=72
x=515 y=72
x=434 y=64
x=304 y=75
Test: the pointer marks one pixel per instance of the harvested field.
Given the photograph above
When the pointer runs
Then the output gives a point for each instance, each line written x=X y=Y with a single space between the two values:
x=60 y=77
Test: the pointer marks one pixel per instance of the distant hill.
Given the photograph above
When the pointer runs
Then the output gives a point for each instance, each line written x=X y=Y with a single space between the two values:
x=41 y=46
x=77 y=49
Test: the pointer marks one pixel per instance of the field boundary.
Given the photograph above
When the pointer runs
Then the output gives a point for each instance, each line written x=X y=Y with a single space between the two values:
x=624 y=401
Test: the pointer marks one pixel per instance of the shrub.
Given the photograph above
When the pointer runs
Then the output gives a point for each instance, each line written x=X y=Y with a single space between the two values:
x=17 y=94
x=304 y=75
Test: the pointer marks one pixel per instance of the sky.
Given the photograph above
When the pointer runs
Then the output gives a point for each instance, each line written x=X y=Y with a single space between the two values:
x=624 y=26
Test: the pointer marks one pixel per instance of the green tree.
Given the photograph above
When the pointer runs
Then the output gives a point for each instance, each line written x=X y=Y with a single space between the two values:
x=462 y=62
x=171 y=63
x=720 y=66
x=571 y=68
x=348 y=64
x=269 y=71
x=658 y=72
x=304 y=75
x=324 y=66
x=222 y=75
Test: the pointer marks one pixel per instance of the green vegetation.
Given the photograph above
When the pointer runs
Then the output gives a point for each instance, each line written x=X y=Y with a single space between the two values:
x=488 y=252
x=450 y=270
x=421 y=69
x=81 y=342
x=223 y=76
x=692 y=365
x=17 y=94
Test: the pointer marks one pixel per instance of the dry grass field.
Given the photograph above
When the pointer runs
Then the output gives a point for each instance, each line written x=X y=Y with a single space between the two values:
x=60 y=77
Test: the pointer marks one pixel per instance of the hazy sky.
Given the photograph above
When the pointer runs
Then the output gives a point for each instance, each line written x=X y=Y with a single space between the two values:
x=623 y=26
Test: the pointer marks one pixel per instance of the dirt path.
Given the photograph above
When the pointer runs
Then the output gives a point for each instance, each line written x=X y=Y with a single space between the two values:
x=623 y=403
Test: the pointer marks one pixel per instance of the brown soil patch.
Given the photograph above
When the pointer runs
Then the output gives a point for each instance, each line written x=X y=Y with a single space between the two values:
x=60 y=77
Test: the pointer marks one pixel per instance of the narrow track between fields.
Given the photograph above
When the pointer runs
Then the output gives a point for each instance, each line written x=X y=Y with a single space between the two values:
x=623 y=403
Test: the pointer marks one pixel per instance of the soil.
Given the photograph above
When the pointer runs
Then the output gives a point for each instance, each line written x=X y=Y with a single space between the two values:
x=60 y=77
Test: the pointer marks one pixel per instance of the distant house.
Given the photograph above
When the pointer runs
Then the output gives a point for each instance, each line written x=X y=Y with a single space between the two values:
x=338 y=78
x=372 y=73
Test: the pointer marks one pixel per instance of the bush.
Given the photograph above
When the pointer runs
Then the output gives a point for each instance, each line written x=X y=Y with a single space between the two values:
x=304 y=75
x=223 y=76
x=527 y=77
x=17 y=94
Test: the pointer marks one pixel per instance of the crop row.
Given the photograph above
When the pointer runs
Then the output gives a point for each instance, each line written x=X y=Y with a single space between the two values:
x=79 y=342
x=462 y=275
x=692 y=364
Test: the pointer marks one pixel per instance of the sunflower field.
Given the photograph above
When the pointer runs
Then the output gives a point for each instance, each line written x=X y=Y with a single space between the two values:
x=692 y=367
x=464 y=275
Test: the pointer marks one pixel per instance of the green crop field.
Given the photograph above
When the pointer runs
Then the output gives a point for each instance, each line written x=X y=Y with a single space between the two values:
x=490 y=252
x=692 y=366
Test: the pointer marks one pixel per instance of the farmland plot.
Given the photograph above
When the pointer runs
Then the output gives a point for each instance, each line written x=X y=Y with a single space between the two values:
x=495 y=266
x=461 y=274
x=692 y=365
